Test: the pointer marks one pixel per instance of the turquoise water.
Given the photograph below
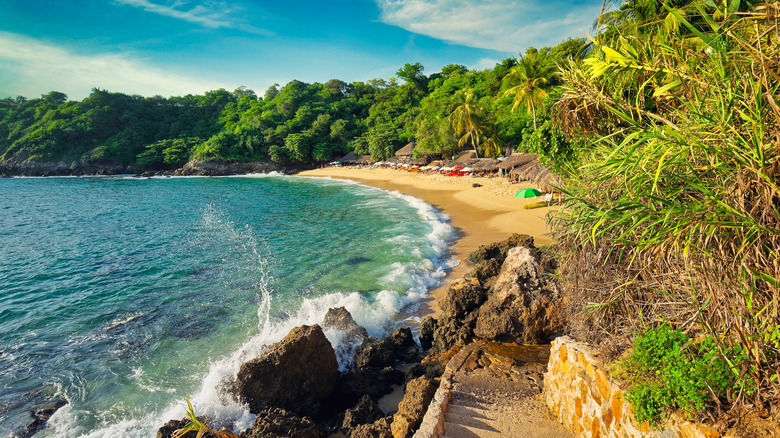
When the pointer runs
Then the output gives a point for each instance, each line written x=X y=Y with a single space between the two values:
x=125 y=295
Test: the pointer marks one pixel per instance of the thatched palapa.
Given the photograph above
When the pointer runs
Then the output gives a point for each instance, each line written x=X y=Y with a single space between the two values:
x=466 y=157
x=406 y=151
x=485 y=165
x=350 y=158
x=518 y=159
x=365 y=159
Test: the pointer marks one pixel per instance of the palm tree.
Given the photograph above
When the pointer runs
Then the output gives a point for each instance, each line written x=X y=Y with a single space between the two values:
x=466 y=118
x=529 y=78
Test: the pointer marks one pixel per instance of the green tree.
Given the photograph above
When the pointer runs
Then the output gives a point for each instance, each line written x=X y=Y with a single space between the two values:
x=529 y=78
x=466 y=118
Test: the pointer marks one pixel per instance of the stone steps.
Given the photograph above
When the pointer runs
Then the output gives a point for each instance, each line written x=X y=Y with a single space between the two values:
x=454 y=430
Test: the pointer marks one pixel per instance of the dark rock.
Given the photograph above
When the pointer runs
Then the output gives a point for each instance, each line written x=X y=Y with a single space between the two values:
x=378 y=429
x=166 y=431
x=221 y=167
x=417 y=396
x=449 y=333
x=273 y=423
x=432 y=370
x=366 y=411
x=375 y=382
x=339 y=318
x=522 y=306
x=475 y=185
x=498 y=250
x=485 y=271
x=462 y=298
x=295 y=374
x=380 y=353
x=427 y=327
x=40 y=417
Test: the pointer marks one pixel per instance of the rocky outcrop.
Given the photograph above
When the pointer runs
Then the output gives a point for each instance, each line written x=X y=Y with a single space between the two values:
x=295 y=374
x=522 y=306
x=506 y=298
x=417 y=396
x=379 y=353
x=22 y=166
x=221 y=167
x=366 y=411
x=374 y=382
x=40 y=417
x=273 y=423
x=339 y=318
x=377 y=429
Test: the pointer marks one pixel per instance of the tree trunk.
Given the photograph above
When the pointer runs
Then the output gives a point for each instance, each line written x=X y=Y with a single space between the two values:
x=473 y=143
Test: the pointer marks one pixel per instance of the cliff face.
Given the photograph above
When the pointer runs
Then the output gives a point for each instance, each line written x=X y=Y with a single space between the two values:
x=21 y=166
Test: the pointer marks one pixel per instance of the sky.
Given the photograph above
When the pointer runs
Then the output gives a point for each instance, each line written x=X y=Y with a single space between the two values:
x=179 y=47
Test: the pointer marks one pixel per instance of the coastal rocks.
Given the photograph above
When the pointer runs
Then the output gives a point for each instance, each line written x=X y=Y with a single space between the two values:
x=522 y=306
x=366 y=411
x=167 y=430
x=273 y=423
x=221 y=167
x=339 y=318
x=378 y=429
x=506 y=298
x=417 y=396
x=21 y=165
x=295 y=374
x=374 y=382
x=384 y=352
x=40 y=417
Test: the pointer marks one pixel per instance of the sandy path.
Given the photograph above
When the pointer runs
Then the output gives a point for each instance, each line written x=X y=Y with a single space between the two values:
x=480 y=215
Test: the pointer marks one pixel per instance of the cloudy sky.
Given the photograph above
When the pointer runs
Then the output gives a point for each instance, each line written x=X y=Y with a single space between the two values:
x=178 y=47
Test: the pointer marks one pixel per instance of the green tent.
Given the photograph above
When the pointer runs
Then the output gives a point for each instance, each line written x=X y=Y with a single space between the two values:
x=527 y=193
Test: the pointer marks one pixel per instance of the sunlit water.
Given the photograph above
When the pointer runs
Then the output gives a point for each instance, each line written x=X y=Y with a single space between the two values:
x=125 y=295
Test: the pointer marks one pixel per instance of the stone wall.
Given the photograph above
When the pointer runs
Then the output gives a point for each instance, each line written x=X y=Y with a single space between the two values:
x=581 y=394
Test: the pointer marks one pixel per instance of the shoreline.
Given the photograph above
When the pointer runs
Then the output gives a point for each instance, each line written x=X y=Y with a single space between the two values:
x=479 y=215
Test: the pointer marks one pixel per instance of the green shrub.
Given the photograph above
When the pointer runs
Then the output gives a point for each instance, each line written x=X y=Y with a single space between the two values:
x=667 y=370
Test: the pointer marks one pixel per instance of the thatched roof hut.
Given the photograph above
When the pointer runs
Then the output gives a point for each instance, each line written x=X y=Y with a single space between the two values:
x=527 y=170
x=549 y=182
x=365 y=159
x=517 y=159
x=466 y=157
x=406 y=151
x=349 y=158
x=485 y=165
x=422 y=161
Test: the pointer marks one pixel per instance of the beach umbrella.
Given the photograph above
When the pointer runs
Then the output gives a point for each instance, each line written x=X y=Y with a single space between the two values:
x=527 y=193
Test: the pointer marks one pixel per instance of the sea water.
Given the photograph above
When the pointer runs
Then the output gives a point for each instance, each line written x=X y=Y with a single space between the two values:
x=123 y=296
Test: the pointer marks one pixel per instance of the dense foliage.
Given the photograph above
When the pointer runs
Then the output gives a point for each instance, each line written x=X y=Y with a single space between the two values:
x=674 y=213
x=299 y=124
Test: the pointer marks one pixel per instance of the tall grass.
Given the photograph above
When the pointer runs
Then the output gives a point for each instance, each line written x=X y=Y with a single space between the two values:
x=676 y=214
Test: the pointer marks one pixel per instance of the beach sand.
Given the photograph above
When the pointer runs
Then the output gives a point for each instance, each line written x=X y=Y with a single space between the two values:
x=480 y=215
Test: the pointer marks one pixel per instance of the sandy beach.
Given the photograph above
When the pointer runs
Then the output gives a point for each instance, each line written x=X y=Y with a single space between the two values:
x=480 y=215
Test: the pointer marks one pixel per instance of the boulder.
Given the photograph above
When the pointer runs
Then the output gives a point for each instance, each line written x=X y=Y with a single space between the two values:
x=366 y=411
x=485 y=270
x=522 y=306
x=427 y=328
x=40 y=417
x=380 y=353
x=166 y=431
x=450 y=332
x=339 y=318
x=462 y=298
x=498 y=250
x=375 y=382
x=273 y=423
x=295 y=374
x=378 y=429
x=417 y=396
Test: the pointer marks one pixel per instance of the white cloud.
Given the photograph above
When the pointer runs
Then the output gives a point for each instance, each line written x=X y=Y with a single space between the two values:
x=502 y=25
x=208 y=14
x=485 y=64
x=30 y=67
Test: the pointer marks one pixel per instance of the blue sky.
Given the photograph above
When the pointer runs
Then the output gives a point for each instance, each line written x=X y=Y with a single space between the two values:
x=178 y=47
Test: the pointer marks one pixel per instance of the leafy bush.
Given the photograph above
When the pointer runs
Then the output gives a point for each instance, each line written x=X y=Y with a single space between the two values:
x=667 y=370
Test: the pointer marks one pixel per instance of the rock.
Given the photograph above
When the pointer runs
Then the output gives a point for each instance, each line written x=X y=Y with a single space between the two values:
x=475 y=185
x=427 y=327
x=295 y=374
x=449 y=333
x=498 y=250
x=374 y=382
x=522 y=306
x=166 y=431
x=273 y=423
x=40 y=417
x=462 y=298
x=485 y=271
x=339 y=318
x=366 y=411
x=417 y=396
x=379 y=353
x=218 y=167
x=377 y=429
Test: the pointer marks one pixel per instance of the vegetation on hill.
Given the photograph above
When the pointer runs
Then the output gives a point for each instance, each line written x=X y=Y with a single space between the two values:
x=299 y=124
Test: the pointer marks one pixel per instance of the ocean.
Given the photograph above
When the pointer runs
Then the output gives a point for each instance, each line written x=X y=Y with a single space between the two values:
x=123 y=296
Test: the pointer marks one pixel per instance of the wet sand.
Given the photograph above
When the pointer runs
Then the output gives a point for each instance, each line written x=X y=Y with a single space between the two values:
x=480 y=215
